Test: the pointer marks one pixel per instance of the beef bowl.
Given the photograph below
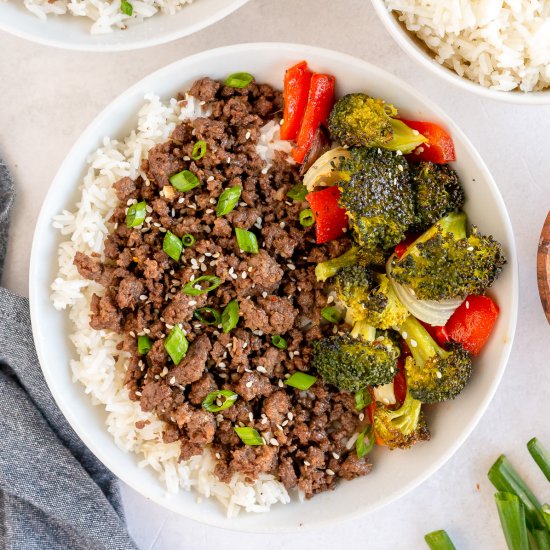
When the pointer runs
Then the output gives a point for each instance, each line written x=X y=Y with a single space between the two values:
x=179 y=311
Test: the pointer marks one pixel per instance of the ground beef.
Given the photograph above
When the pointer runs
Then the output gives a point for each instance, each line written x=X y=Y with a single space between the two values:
x=305 y=432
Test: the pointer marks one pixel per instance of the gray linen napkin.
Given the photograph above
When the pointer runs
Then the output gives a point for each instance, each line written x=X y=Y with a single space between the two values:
x=54 y=493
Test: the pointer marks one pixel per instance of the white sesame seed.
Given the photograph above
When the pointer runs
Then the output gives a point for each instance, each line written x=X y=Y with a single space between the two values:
x=249 y=384
x=290 y=416
x=247 y=135
x=261 y=369
x=218 y=456
x=438 y=374
x=414 y=343
x=467 y=304
x=251 y=416
x=282 y=224
x=264 y=420
x=292 y=267
x=264 y=294
x=361 y=417
x=336 y=456
x=404 y=335
x=330 y=299
x=281 y=384
x=274 y=442
x=329 y=472
x=143 y=297
x=264 y=170
x=307 y=463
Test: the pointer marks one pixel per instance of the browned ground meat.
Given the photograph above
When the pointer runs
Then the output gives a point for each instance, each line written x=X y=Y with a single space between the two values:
x=305 y=432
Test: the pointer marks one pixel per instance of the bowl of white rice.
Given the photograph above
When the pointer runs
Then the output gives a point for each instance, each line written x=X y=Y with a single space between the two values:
x=110 y=25
x=499 y=49
x=85 y=370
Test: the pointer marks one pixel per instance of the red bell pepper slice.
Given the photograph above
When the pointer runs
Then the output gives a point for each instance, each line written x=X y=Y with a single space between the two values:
x=401 y=248
x=400 y=383
x=295 y=94
x=319 y=104
x=438 y=333
x=472 y=323
x=440 y=147
x=331 y=219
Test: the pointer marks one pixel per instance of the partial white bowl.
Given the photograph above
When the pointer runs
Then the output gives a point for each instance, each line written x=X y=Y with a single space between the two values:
x=73 y=33
x=395 y=473
x=416 y=49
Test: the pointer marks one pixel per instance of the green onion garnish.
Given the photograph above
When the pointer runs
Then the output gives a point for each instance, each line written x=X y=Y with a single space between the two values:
x=184 y=180
x=176 y=344
x=126 y=7
x=172 y=246
x=238 y=80
x=228 y=199
x=199 y=150
x=144 y=344
x=298 y=192
x=246 y=240
x=512 y=518
x=136 y=214
x=546 y=514
x=506 y=479
x=278 y=341
x=364 y=442
x=542 y=538
x=331 y=314
x=249 y=436
x=188 y=240
x=210 y=402
x=230 y=316
x=208 y=316
x=301 y=380
x=540 y=456
x=194 y=288
x=439 y=540
x=306 y=218
x=362 y=399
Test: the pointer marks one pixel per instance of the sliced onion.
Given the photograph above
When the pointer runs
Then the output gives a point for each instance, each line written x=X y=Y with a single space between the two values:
x=323 y=172
x=435 y=313
x=385 y=394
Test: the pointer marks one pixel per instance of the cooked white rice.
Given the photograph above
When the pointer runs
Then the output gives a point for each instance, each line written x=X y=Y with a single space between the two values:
x=105 y=14
x=500 y=44
x=95 y=366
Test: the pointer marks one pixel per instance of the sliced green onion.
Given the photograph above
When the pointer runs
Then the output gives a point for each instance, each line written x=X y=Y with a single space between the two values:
x=278 y=341
x=364 y=443
x=246 y=240
x=506 y=479
x=126 y=7
x=238 y=80
x=362 y=399
x=230 y=316
x=306 y=218
x=199 y=150
x=298 y=192
x=439 y=540
x=172 y=246
x=331 y=314
x=144 y=345
x=249 y=436
x=546 y=514
x=136 y=214
x=540 y=455
x=542 y=538
x=176 y=344
x=301 y=380
x=228 y=199
x=512 y=518
x=188 y=240
x=210 y=402
x=208 y=316
x=195 y=288
x=184 y=180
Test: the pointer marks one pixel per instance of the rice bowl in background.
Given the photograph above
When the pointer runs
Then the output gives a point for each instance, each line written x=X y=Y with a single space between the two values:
x=390 y=479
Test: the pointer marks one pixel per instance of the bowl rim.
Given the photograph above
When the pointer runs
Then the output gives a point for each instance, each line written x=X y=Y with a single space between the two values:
x=98 y=46
x=36 y=267
x=411 y=48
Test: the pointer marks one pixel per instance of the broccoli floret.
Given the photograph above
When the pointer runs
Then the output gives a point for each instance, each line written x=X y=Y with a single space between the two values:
x=369 y=296
x=433 y=374
x=377 y=195
x=402 y=427
x=355 y=255
x=354 y=361
x=445 y=263
x=360 y=120
x=437 y=191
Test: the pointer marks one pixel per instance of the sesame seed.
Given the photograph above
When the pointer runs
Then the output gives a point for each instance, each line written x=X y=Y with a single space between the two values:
x=330 y=299
x=282 y=224
x=264 y=294
x=243 y=274
x=192 y=302
x=264 y=170
x=251 y=416
x=264 y=420
x=218 y=456
x=281 y=384
x=414 y=343
x=274 y=442
x=143 y=297
x=467 y=304
x=247 y=135
x=329 y=472
x=249 y=384
x=186 y=157
x=181 y=200
x=336 y=456
x=404 y=335
x=292 y=267
x=261 y=369
x=361 y=417
x=307 y=463
x=172 y=380
x=290 y=416
x=438 y=374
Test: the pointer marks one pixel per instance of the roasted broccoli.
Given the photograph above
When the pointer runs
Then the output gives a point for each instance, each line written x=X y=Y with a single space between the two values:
x=433 y=374
x=402 y=427
x=369 y=296
x=445 y=263
x=354 y=361
x=360 y=120
x=437 y=191
x=354 y=256
x=377 y=195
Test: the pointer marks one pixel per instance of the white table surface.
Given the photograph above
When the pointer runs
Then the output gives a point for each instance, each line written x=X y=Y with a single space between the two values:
x=48 y=97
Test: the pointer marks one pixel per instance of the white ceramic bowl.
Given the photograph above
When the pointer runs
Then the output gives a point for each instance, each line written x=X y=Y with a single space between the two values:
x=415 y=48
x=73 y=33
x=395 y=473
